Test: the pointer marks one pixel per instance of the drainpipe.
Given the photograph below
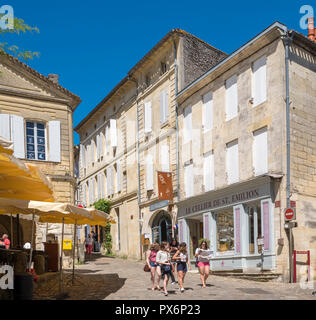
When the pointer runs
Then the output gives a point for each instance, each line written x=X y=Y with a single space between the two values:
x=177 y=127
x=287 y=40
x=138 y=174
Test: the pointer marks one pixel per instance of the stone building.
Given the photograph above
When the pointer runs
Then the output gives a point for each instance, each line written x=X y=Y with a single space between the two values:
x=131 y=135
x=233 y=154
x=36 y=114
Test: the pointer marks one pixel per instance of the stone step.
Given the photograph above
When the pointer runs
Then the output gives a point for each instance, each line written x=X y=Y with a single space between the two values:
x=262 y=276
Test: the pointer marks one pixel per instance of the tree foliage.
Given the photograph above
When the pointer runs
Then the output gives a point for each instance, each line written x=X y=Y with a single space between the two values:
x=105 y=206
x=20 y=27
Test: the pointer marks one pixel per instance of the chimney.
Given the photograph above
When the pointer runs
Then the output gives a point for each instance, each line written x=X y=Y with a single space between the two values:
x=311 y=29
x=53 y=77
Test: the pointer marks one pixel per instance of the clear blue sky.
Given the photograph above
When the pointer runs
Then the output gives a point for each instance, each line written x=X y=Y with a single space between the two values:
x=92 y=44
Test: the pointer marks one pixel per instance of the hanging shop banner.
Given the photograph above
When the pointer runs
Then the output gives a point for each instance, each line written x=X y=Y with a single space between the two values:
x=67 y=245
x=165 y=191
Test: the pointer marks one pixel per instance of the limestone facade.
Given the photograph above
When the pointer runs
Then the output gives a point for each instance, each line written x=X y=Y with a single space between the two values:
x=28 y=98
x=201 y=210
x=153 y=82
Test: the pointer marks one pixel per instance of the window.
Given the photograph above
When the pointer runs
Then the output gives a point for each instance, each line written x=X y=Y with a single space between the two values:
x=189 y=180
x=187 y=125
x=255 y=228
x=259 y=81
x=207 y=117
x=163 y=67
x=225 y=231
x=35 y=141
x=260 y=151
x=208 y=168
x=231 y=98
x=232 y=162
x=147 y=81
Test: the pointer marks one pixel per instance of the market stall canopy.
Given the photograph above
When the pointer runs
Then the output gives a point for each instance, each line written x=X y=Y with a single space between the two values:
x=19 y=180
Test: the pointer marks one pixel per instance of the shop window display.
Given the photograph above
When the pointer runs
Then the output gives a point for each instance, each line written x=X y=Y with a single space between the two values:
x=225 y=231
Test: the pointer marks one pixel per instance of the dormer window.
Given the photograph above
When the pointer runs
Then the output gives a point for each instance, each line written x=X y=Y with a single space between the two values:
x=147 y=81
x=163 y=67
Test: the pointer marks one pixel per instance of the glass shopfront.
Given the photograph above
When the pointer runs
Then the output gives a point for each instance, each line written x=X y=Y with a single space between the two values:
x=232 y=222
x=225 y=231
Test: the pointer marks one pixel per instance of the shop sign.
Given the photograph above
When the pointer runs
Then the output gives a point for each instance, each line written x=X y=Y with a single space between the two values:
x=165 y=189
x=225 y=201
x=67 y=245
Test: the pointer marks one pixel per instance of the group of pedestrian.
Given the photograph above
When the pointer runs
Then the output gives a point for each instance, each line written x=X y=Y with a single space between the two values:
x=168 y=259
x=5 y=242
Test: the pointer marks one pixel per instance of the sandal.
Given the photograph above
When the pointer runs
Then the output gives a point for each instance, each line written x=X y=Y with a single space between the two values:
x=158 y=288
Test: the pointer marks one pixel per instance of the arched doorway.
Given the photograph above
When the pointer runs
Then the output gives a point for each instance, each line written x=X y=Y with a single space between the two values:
x=162 y=227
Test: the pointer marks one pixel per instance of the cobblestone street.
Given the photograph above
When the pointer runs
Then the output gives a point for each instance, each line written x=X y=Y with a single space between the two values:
x=118 y=279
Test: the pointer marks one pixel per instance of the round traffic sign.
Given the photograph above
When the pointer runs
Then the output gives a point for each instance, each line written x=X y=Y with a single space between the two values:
x=289 y=214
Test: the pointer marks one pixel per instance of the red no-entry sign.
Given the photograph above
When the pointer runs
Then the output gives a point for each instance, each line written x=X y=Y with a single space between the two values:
x=289 y=214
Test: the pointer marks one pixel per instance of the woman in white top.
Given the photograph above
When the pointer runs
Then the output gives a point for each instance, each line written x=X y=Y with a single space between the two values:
x=163 y=258
x=181 y=257
x=203 y=256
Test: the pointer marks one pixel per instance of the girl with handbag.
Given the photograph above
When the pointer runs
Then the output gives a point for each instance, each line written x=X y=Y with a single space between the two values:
x=163 y=258
x=182 y=259
x=173 y=249
x=152 y=263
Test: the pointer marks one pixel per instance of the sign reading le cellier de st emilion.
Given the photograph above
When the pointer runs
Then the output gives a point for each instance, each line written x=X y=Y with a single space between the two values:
x=231 y=198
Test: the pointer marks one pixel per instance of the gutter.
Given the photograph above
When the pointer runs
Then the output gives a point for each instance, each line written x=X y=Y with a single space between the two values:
x=138 y=172
x=287 y=40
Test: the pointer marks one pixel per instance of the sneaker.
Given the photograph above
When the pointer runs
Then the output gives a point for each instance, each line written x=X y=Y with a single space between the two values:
x=182 y=290
x=173 y=282
x=166 y=293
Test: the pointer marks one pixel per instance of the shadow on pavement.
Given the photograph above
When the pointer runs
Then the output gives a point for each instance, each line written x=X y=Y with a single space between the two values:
x=86 y=287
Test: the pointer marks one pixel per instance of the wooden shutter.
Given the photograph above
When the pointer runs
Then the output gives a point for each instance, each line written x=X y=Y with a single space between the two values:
x=107 y=139
x=189 y=180
x=108 y=182
x=207 y=117
x=208 y=170
x=84 y=191
x=237 y=229
x=101 y=144
x=98 y=187
x=231 y=98
x=163 y=106
x=92 y=147
x=259 y=87
x=82 y=156
x=260 y=151
x=102 y=185
x=149 y=172
x=54 y=141
x=98 y=147
x=93 y=189
x=17 y=136
x=232 y=162
x=5 y=131
x=148 y=117
x=113 y=133
x=164 y=158
x=206 y=226
x=90 y=192
x=118 y=176
x=187 y=132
